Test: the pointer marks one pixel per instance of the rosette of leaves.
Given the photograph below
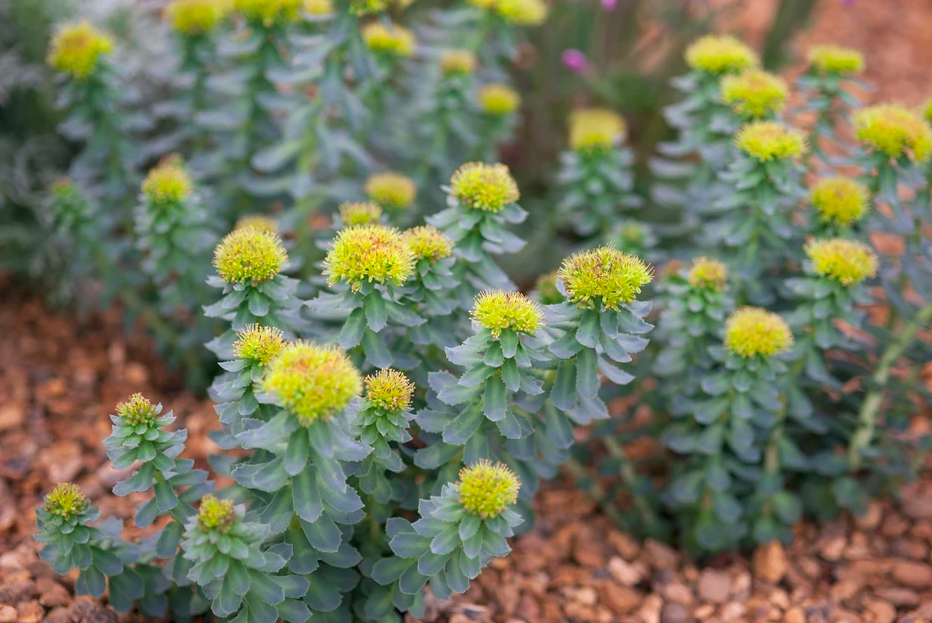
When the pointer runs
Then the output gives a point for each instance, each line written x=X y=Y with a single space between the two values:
x=459 y=532
x=482 y=202
x=595 y=176
x=236 y=569
x=102 y=559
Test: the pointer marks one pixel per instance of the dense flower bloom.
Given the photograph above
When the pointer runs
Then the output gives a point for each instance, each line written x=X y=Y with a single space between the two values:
x=752 y=331
x=486 y=187
x=389 y=390
x=707 y=274
x=215 y=515
x=391 y=190
x=522 y=12
x=249 y=255
x=835 y=59
x=755 y=93
x=269 y=12
x=169 y=182
x=195 y=17
x=318 y=7
x=768 y=140
x=498 y=100
x=428 y=243
x=457 y=62
x=547 y=291
x=840 y=200
x=312 y=382
x=487 y=489
x=368 y=7
x=595 y=129
x=359 y=213
x=393 y=40
x=77 y=48
x=720 y=55
x=498 y=311
x=373 y=253
x=605 y=274
x=259 y=344
x=66 y=500
x=846 y=261
x=894 y=130
x=136 y=410
x=257 y=221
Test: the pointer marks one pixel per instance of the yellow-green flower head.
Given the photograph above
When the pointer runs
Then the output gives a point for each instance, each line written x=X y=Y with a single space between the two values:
x=894 y=130
x=752 y=331
x=269 y=12
x=312 y=382
x=457 y=62
x=66 y=501
x=392 y=191
x=428 y=243
x=373 y=253
x=486 y=187
x=359 y=213
x=840 y=200
x=76 y=49
x=257 y=221
x=169 y=182
x=596 y=129
x=846 y=261
x=259 y=344
x=769 y=140
x=707 y=274
x=389 y=390
x=755 y=93
x=318 y=7
x=499 y=310
x=546 y=287
x=522 y=12
x=720 y=55
x=836 y=59
x=604 y=273
x=136 y=410
x=368 y=7
x=632 y=234
x=393 y=40
x=487 y=490
x=249 y=255
x=195 y=17
x=215 y=515
x=498 y=100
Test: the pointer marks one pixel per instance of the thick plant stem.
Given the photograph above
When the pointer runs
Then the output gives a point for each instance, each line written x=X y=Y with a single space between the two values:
x=867 y=417
x=631 y=478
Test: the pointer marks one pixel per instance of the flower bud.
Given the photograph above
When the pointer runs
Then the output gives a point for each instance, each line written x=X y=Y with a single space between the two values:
x=707 y=274
x=66 y=501
x=391 y=190
x=457 y=62
x=752 y=331
x=215 y=515
x=522 y=12
x=768 y=140
x=846 y=261
x=605 y=274
x=840 y=200
x=428 y=243
x=720 y=55
x=391 y=41
x=361 y=213
x=369 y=253
x=389 y=390
x=595 y=129
x=835 y=59
x=249 y=255
x=169 y=182
x=137 y=410
x=498 y=100
x=194 y=17
x=894 y=130
x=486 y=187
x=77 y=48
x=755 y=93
x=499 y=311
x=258 y=344
x=487 y=490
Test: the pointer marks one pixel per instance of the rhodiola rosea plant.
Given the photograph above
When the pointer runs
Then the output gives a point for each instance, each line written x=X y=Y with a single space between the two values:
x=386 y=434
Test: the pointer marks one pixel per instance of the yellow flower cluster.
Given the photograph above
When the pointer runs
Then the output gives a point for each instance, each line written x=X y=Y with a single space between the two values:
x=595 y=129
x=707 y=274
x=894 y=130
x=169 y=182
x=66 y=501
x=457 y=62
x=359 y=213
x=393 y=40
x=257 y=221
x=499 y=311
x=428 y=243
x=136 y=410
x=249 y=255
x=269 y=12
x=846 y=261
x=768 y=140
x=498 y=100
x=373 y=253
x=752 y=331
x=392 y=191
x=195 y=17
x=605 y=274
x=259 y=344
x=318 y=7
x=840 y=200
x=486 y=187
x=836 y=59
x=77 y=48
x=720 y=55
x=487 y=489
x=312 y=382
x=521 y=12
x=215 y=515
x=389 y=390
x=755 y=93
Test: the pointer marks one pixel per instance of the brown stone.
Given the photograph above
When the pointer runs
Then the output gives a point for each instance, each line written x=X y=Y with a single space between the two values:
x=899 y=597
x=733 y=611
x=29 y=612
x=650 y=611
x=52 y=593
x=913 y=574
x=57 y=615
x=794 y=615
x=11 y=416
x=882 y=611
x=675 y=613
x=7 y=614
x=620 y=600
x=624 y=572
x=660 y=555
x=678 y=593
x=15 y=592
x=770 y=562
x=713 y=586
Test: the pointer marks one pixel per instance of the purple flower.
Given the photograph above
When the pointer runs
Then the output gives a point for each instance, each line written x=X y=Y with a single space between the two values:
x=575 y=61
x=609 y=5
